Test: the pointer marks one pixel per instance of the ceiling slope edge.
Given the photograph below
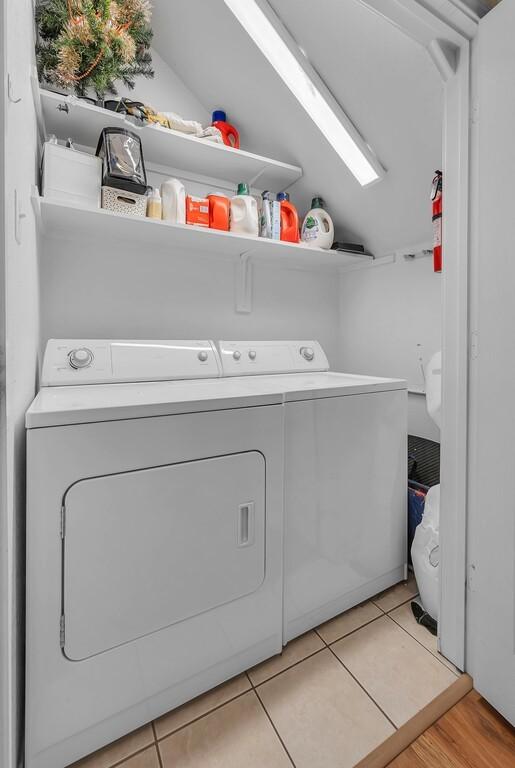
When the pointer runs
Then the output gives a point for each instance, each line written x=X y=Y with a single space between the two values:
x=425 y=20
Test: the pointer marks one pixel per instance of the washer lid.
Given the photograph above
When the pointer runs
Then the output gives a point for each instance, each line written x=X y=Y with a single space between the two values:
x=312 y=386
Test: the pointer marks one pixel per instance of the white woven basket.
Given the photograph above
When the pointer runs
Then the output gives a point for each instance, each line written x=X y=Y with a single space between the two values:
x=120 y=201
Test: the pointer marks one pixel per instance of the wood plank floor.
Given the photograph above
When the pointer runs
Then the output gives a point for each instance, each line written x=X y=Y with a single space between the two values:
x=470 y=735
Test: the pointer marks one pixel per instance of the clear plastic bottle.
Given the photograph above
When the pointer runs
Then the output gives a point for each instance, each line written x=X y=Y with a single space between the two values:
x=154 y=205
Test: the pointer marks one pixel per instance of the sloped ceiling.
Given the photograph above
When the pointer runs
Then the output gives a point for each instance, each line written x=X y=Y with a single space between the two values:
x=481 y=6
x=383 y=80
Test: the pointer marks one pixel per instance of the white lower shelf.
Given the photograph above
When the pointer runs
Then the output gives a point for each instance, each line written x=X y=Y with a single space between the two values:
x=62 y=220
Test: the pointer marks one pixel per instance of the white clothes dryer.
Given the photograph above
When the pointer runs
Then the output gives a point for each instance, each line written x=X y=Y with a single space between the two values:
x=154 y=538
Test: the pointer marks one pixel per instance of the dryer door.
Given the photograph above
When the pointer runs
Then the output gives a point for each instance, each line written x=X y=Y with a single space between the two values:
x=146 y=549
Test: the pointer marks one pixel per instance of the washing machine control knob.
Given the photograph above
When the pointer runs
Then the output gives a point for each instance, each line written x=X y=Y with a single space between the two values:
x=80 y=358
x=202 y=356
x=308 y=353
x=236 y=354
x=252 y=354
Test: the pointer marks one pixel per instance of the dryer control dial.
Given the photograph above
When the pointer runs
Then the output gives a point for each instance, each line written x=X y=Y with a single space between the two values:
x=202 y=356
x=308 y=353
x=236 y=354
x=80 y=358
x=252 y=354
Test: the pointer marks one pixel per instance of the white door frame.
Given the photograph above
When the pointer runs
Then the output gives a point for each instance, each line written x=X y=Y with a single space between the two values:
x=7 y=732
x=445 y=28
x=5 y=575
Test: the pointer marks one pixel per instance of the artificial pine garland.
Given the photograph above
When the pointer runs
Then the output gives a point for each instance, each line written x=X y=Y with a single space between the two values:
x=86 y=44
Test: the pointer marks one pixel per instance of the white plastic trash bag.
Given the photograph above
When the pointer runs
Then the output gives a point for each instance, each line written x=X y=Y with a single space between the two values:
x=425 y=553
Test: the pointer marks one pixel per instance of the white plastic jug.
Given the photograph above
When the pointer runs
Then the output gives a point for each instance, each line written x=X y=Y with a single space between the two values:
x=425 y=553
x=244 y=212
x=173 y=196
x=317 y=227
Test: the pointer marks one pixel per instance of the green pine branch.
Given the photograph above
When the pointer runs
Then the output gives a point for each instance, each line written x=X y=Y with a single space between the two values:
x=54 y=40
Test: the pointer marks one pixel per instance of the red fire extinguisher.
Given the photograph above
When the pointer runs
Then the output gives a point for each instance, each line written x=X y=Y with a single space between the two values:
x=436 y=199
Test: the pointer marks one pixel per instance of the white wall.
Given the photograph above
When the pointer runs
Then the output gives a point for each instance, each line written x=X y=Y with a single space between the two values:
x=390 y=316
x=22 y=336
x=167 y=92
x=110 y=290
x=383 y=80
x=131 y=293
x=391 y=90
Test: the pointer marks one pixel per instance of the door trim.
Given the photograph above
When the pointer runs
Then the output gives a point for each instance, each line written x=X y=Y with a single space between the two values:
x=447 y=26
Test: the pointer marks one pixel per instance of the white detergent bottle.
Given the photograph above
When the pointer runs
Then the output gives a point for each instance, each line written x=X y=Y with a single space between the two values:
x=173 y=196
x=317 y=227
x=244 y=212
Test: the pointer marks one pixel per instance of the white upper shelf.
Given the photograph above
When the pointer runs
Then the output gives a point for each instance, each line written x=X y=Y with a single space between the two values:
x=70 y=117
x=69 y=221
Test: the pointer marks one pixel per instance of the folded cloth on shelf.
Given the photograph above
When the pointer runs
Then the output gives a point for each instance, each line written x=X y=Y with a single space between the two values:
x=178 y=123
x=211 y=134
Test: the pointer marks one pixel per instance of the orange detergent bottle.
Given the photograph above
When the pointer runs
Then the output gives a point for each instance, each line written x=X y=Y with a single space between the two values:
x=219 y=211
x=229 y=133
x=289 y=219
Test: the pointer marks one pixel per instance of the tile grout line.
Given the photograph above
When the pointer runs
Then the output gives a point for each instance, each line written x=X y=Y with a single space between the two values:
x=434 y=655
x=196 y=719
x=409 y=600
x=378 y=607
x=273 y=726
x=363 y=688
x=352 y=632
x=121 y=762
x=159 y=759
x=290 y=666
x=253 y=687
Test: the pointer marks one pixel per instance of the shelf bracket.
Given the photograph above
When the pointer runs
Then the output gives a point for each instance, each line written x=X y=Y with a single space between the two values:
x=11 y=95
x=445 y=58
x=243 y=304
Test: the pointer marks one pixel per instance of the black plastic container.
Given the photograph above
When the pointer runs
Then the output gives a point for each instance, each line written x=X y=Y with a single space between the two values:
x=123 y=166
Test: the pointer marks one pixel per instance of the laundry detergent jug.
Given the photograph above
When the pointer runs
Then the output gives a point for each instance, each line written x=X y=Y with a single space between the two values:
x=173 y=196
x=229 y=133
x=317 y=227
x=289 y=219
x=219 y=212
x=244 y=212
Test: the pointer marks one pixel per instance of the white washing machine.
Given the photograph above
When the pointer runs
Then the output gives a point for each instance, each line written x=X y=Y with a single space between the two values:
x=154 y=537
x=345 y=479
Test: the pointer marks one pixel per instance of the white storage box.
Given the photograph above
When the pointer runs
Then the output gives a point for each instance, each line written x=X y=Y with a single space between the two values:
x=71 y=176
x=121 y=201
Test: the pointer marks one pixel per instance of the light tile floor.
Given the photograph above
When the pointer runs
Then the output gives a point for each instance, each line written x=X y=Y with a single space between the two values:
x=329 y=699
